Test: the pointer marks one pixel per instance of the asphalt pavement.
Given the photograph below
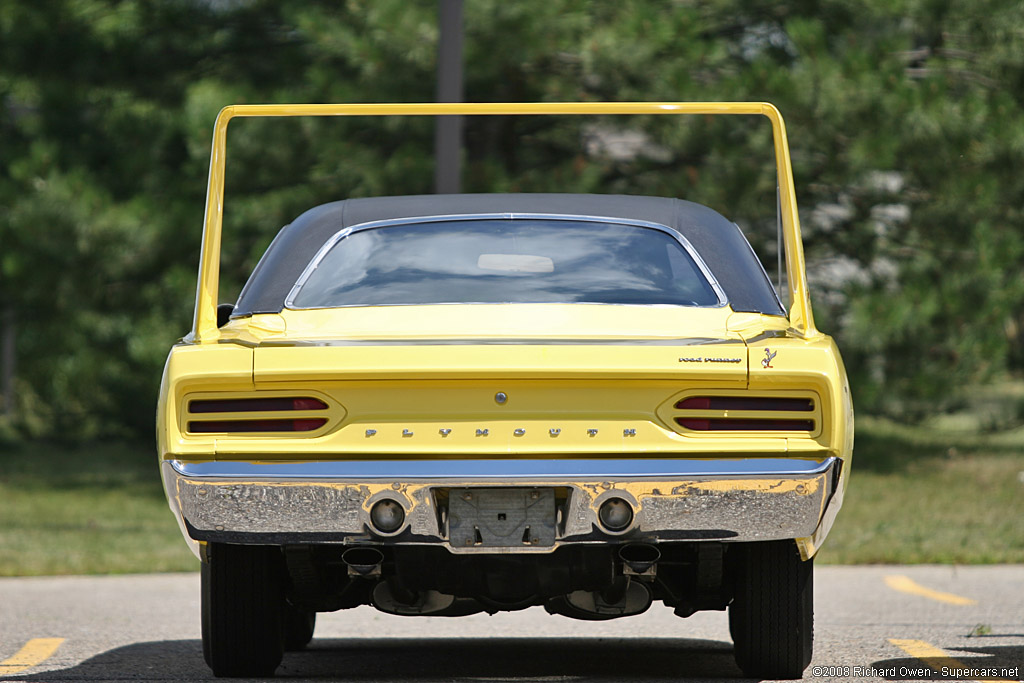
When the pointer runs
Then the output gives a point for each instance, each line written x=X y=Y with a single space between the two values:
x=871 y=623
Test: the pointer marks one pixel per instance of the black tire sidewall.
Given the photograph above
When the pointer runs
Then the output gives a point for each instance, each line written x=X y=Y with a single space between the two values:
x=771 y=618
x=243 y=604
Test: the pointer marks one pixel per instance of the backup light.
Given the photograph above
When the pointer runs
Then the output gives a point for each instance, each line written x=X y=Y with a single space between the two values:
x=387 y=516
x=615 y=514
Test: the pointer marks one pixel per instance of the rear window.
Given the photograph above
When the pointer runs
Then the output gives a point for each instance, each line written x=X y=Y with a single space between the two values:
x=517 y=260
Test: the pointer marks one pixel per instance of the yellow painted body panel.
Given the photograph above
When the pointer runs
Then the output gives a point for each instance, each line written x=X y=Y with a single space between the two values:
x=492 y=321
x=408 y=392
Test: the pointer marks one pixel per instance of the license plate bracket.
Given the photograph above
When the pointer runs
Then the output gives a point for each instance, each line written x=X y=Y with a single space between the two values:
x=501 y=517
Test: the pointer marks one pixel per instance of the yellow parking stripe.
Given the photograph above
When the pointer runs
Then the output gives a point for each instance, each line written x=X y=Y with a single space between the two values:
x=938 y=659
x=905 y=584
x=35 y=652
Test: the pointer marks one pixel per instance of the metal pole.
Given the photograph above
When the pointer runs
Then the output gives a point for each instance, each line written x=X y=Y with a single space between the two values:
x=448 y=129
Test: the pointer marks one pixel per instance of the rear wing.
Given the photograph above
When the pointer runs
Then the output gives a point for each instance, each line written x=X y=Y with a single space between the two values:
x=204 y=327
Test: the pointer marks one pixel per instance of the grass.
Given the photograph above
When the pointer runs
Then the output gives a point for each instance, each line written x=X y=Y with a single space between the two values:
x=98 y=509
x=931 y=494
x=945 y=492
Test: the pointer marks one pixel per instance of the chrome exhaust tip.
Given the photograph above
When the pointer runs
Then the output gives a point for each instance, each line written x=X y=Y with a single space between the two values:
x=363 y=561
x=639 y=558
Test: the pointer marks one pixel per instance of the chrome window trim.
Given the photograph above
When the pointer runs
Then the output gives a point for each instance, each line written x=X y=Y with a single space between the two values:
x=505 y=469
x=392 y=222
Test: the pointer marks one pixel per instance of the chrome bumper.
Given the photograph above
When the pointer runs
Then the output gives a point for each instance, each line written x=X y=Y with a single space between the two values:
x=329 y=502
x=752 y=499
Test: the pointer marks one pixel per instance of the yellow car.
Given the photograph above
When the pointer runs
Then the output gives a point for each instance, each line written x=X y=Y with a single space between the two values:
x=446 y=405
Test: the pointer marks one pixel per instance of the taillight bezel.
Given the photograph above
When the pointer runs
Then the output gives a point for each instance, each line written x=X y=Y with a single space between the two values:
x=713 y=413
x=257 y=414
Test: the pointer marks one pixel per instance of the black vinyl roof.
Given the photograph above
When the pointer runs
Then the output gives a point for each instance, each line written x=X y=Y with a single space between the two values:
x=718 y=241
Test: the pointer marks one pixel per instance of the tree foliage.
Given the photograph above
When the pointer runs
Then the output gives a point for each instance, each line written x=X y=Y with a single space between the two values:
x=905 y=120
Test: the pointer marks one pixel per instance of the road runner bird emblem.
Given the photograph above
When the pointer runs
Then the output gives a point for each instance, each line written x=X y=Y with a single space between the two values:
x=766 y=362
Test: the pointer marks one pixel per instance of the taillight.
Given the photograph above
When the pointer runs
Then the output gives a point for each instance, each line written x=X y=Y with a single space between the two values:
x=223 y=415
x=746 y=403
x=746 y=413
x=720 y=425
x=253 y=405
x=213 y=426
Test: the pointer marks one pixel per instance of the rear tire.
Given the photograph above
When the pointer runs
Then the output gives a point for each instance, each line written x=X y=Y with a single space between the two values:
x=772 y=614
x=299 y=625
x=243 y=609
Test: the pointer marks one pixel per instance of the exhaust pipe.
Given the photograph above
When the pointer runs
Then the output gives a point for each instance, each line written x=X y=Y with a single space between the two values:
x=363 y=561
x=616 y=593
x=639 y=558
